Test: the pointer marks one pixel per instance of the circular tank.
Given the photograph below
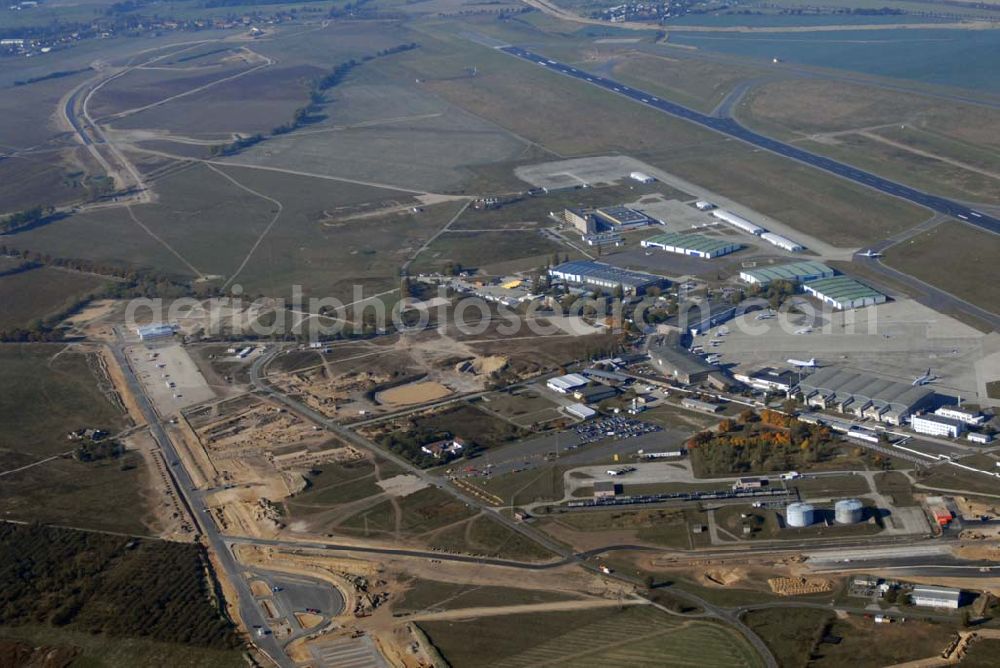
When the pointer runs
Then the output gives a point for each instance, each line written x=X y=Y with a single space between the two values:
x=799 y=514
x=848 y=511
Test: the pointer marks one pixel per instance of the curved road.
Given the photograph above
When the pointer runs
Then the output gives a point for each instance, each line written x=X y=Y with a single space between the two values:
x=731 y=128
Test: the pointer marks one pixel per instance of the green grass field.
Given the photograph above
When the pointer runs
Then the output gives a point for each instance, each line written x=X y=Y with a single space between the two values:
x=431 y=595
x=791 y=635
x=936 y=145
x=632 y=636
x=420 y=513
x=486 y=536
x=43 y=398
x=955 y=257
x=544 y=483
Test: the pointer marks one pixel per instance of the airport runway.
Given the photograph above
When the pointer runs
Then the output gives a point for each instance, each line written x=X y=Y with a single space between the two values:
x=728 y=126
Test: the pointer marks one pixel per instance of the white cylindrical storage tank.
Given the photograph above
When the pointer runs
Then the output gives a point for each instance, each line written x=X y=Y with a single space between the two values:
x=799 y=514
x=848 y=511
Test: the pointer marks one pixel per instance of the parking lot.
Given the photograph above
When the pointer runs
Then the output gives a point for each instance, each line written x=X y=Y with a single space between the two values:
x=170 y=377
x=570 y=448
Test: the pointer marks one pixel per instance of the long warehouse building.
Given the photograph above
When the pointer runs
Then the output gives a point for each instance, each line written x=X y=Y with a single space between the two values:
x=697 y=245
x=738 y=222
x=781 y=242
x=795 y=272
x=844 y=292
x=605 y=276
x=863 y=395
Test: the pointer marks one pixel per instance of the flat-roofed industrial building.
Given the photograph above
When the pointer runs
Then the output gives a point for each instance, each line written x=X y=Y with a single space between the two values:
x=697 y=245
x=671 y=359
x=863 y=395
x=157 y=330
x=936 y=597
x=581 y=219
x=795 y=272
x=844 y=292
x=622 y=217
x=567 y=383
x=605 y=276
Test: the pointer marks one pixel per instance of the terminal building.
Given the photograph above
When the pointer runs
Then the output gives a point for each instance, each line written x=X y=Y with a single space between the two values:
x=671 y=359
x=582 y=219
x=863 y=395
x=844 y=292
x=935 y=425
x=696 y=245
x=795 y=272
x=605 y=277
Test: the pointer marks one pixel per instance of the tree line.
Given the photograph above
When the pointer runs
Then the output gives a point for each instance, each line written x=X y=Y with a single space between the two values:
x=310 y=112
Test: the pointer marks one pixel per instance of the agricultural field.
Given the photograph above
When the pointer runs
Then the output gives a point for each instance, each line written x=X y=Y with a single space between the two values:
x=590 y=638
x=48 y=392
x=112 y=598
x=955 y=257
x=38 y=293
x=791 y=635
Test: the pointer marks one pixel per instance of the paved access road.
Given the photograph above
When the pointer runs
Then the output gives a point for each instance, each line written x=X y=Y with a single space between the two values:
x=728 y=126
x=250 y=612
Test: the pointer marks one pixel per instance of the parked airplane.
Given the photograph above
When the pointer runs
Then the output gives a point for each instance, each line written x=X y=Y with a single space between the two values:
x=811 y=362
x=870 y=253
x=924 y=379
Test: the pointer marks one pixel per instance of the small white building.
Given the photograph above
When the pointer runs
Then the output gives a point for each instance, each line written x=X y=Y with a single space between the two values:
x=781 y=242
x=156 y=330
x=936 y=597
x=581 y=411
x=934 y=425
x=566 y=384
x=641 y=177
x=969 y=417
x=980 y=438
x=739 y=222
